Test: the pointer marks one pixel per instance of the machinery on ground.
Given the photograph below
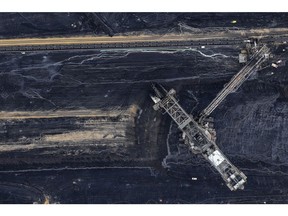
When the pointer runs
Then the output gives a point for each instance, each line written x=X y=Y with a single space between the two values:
x=198 y=138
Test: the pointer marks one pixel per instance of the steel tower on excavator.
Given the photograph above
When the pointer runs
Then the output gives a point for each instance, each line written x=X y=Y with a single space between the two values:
x=199 y=138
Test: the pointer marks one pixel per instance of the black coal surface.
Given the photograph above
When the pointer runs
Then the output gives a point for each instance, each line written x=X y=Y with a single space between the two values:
x=57 y=24
x=251 y=124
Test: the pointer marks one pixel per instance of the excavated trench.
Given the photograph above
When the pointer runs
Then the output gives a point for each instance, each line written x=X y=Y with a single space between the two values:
x=83 y=121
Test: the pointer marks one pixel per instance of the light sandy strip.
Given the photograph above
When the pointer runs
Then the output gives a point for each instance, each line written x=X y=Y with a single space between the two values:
x=139 y=38
x=57 y=114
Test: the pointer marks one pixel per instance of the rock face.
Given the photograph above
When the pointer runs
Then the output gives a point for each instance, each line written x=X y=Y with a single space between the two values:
x=255 y=127
x=253 y=121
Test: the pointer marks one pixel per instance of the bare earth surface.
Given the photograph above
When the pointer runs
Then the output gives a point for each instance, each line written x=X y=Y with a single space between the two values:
x=78 y=126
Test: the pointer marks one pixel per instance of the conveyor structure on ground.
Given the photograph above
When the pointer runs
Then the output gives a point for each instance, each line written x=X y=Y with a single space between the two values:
x=237 y=80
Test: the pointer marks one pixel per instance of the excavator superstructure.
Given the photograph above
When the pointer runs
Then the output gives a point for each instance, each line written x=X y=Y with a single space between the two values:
x=198 y=137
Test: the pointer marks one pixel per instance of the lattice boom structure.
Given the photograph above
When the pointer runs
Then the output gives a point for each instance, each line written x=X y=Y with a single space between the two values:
x=238 y=79
x=198 y=138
